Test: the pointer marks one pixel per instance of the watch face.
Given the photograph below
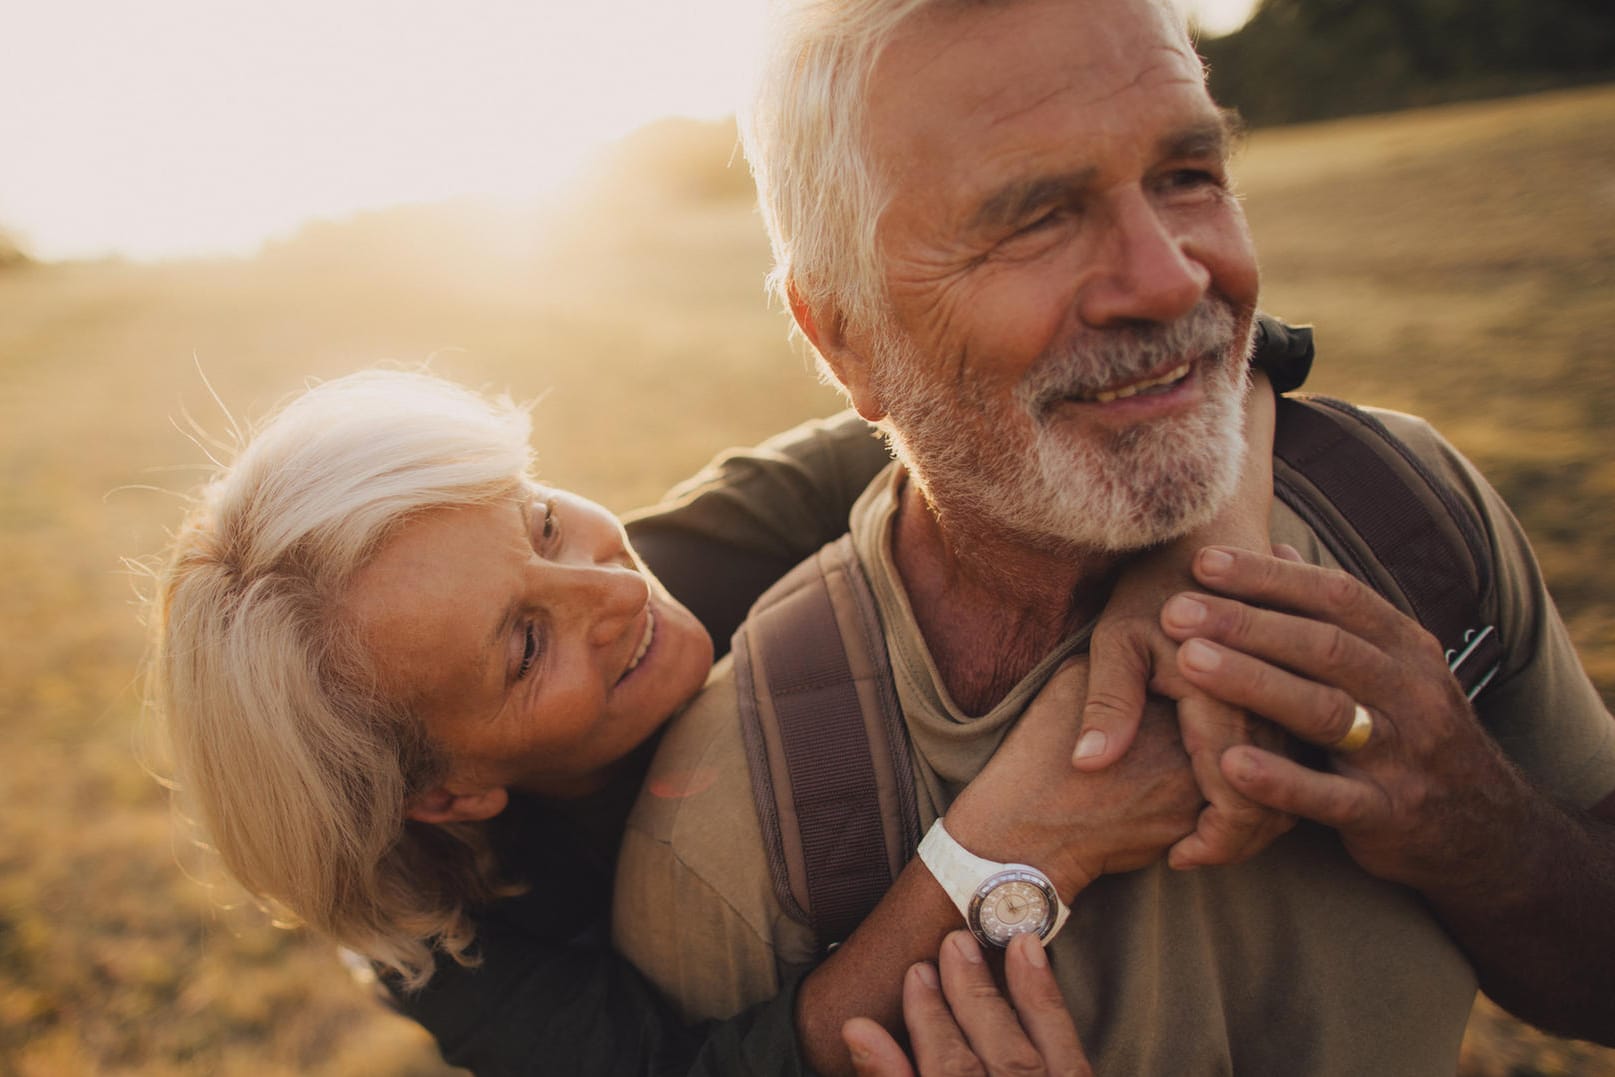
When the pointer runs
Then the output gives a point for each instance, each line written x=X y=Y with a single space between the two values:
x=1010 y=903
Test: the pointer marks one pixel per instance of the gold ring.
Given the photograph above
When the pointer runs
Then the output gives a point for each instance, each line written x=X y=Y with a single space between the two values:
x=1362 y=727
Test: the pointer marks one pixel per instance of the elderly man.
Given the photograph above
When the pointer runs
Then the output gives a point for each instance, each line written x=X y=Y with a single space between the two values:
x=1007 y=229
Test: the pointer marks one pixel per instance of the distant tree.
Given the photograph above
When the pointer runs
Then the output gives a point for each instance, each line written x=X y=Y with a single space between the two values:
x=675 y=159
x=11 y=252
x=1308 y=59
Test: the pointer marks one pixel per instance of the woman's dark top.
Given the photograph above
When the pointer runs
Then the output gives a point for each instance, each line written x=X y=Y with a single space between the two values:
x=547 y=997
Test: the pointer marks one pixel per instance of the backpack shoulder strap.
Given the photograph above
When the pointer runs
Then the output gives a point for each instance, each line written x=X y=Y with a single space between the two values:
x=1393 y=524
x=826 y=744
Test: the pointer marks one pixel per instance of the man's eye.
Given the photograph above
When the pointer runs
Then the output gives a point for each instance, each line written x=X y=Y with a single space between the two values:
x=1048 y=220
x=1184 y=179
x=529 y=652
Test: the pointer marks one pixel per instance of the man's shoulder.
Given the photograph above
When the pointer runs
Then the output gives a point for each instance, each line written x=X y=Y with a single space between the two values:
x=695 y=818
x=1417 y=433
x=694 y=906
x=1539 y=705
x=699 y=769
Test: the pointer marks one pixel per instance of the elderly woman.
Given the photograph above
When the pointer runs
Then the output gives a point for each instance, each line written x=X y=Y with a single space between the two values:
x=393 y=667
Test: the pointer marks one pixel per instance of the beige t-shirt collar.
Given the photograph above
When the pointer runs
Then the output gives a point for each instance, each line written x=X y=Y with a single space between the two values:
x=949 y=746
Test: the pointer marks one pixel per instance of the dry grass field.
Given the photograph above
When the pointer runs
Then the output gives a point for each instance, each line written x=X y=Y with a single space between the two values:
x=1459 y=263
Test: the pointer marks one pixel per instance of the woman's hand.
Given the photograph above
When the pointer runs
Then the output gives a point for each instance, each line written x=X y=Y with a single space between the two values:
x=1131 y=655
x=960 y=1024
x=1028 y=806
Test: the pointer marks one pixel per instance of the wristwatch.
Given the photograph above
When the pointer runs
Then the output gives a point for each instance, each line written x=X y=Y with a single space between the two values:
x=999 y=901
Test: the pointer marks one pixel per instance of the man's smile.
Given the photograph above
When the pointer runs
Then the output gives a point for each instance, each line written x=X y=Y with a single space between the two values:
x=1122 y=392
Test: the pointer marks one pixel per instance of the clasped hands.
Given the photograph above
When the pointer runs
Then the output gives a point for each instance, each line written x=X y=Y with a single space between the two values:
x=1276 y=654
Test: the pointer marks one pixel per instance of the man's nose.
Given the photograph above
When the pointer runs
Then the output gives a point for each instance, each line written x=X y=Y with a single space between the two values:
x=1144 y=274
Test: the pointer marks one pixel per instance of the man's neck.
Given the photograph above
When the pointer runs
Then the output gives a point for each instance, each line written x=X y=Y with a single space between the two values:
x=990 y=605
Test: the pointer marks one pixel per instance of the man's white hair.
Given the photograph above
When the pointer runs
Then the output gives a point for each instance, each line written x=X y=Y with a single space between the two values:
x=804 y=137
x=804 y=132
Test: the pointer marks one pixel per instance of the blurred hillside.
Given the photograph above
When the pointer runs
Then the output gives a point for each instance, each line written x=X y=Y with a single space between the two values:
x=12 y=254
x=1299 y=60
x=1457 y=262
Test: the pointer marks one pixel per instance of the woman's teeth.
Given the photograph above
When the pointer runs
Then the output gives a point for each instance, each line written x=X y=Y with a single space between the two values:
x=644 y=643
x=1176 y=374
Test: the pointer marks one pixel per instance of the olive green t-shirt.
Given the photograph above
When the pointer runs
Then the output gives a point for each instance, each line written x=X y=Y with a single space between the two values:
x=1295 y=962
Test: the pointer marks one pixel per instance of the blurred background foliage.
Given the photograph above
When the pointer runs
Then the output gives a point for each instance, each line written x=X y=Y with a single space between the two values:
x=12 y=252
x=1313 y=59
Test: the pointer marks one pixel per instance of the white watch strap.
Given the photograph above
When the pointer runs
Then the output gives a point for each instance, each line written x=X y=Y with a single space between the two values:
x=960 y=871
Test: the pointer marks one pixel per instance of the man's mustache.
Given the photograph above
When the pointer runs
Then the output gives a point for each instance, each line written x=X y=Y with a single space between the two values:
x=1102 y=358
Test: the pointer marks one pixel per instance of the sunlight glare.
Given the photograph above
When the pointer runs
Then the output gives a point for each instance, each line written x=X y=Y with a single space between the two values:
x=189 y=127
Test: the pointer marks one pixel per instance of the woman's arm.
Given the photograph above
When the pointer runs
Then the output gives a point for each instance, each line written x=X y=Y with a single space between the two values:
x=537 y=1004
x=719 y=539
x=1129 y=658
x=1112 y=812
x=1029 y=806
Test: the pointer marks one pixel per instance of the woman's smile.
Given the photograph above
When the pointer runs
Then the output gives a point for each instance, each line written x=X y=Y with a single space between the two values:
x=532 y=641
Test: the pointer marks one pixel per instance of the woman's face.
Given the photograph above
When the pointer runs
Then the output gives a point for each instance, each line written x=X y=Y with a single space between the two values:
x=530 y=638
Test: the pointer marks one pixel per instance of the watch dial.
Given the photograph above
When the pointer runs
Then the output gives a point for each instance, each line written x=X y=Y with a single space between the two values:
x=1015 y=907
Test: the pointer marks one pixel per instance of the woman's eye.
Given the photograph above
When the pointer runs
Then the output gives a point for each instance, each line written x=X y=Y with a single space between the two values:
x=529 y=652
x=551 y=524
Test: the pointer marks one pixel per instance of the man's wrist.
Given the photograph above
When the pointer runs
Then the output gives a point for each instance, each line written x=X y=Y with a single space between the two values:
x=998 y=899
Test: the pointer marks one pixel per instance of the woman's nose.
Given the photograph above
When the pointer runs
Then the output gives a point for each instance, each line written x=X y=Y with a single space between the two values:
x=608 y=599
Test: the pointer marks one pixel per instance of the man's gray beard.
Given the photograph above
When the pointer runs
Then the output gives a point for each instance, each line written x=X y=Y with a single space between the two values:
x=1005 y=467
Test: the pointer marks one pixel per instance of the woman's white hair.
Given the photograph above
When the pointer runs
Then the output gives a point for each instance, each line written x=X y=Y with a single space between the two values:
x=803 y=130
x=296 y=770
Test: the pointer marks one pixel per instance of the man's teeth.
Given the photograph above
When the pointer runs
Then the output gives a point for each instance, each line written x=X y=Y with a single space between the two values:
x=1177 y=373
x=644 y=643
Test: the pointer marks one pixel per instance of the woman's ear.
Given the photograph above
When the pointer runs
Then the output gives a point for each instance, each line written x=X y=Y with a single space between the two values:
x=826 y=329
x=440 y=804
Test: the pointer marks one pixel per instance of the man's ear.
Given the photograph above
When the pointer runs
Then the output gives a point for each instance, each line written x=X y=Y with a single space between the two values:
x=440 y=804
x=826 y=329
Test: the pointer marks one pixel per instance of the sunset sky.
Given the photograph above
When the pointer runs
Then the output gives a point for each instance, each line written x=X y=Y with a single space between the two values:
x=179 y=127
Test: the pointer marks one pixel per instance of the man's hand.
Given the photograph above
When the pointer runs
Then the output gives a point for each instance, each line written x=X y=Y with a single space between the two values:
x=1028 y=805
x=1422 y=800
x=962 y=1025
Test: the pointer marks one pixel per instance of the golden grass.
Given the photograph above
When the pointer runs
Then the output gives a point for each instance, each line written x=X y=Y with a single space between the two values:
x=1457 y=262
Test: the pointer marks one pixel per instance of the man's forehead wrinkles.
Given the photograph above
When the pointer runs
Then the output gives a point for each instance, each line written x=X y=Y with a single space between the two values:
x=1084 y=97
x=927 y=39
x=1151 y=74
x=1008 y=113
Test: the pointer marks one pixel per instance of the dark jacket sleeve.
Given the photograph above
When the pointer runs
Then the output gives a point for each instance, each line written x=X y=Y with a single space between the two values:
x=547 y=994
x=722 y=537
x=540 y=1007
